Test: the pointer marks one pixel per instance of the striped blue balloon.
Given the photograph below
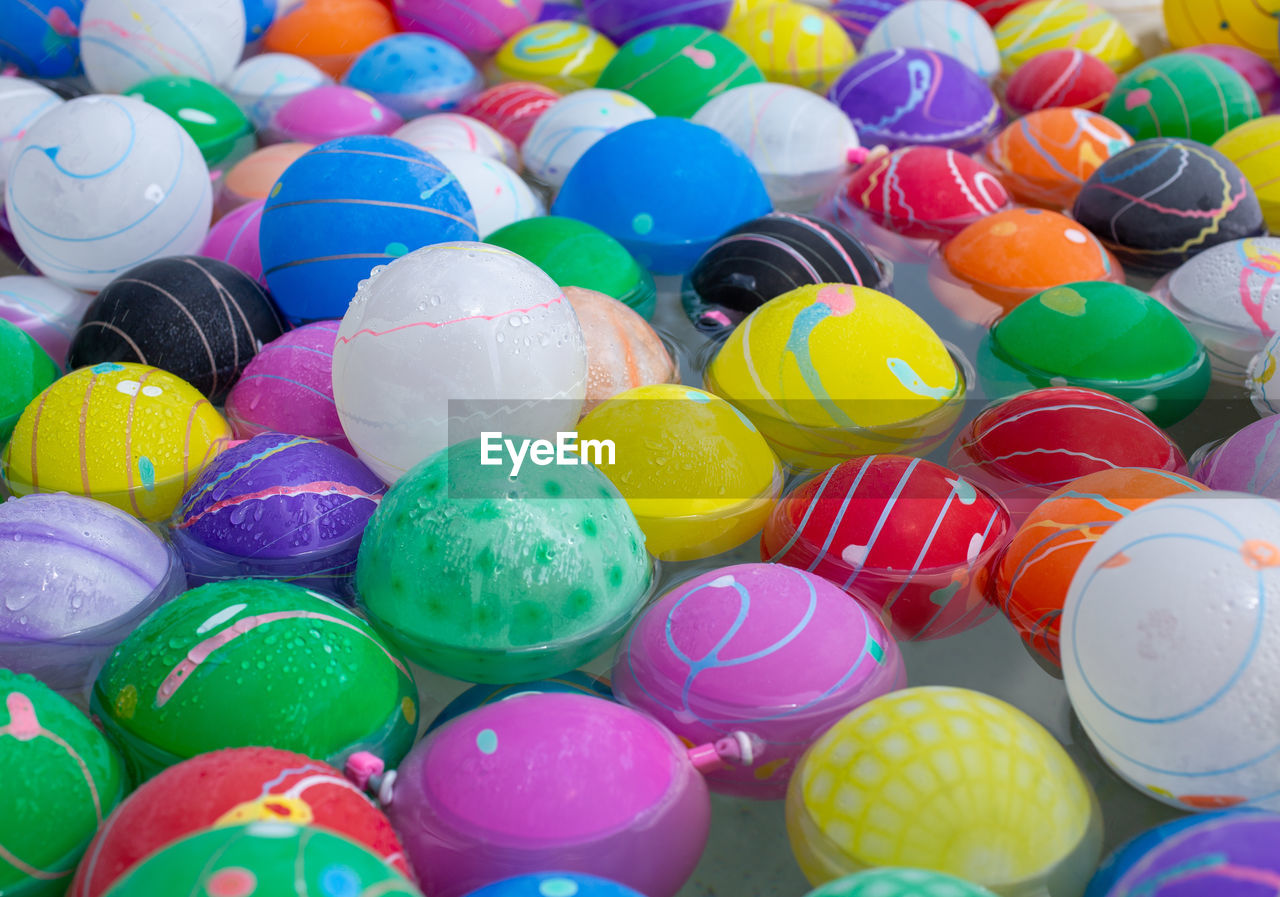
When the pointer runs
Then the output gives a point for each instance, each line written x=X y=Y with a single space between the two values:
x=348 y=206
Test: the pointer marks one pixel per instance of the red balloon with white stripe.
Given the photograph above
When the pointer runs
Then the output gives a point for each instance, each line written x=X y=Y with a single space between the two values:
x=1026 y=447
x=907 y=536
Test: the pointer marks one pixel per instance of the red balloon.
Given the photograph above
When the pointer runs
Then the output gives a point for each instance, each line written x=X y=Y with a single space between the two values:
x=232 y=787
x=995 y=10
x=911 y=538
x=1065 y=77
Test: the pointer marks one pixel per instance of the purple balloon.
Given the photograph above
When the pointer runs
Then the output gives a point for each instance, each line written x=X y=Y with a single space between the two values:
x=858 y=17
x=621 y=20
x=76 y=576
x=562 y=12
x=1228 y=854
x=908 y=96
x=1246 y=461
x=279 y=507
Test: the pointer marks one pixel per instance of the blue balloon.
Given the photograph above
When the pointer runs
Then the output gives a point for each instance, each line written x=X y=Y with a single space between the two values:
x=258 y=16
x=414 y=74
x=41 y=37
x=666 y=189
x=555 y=884
x=347 y=206
x=573 y=682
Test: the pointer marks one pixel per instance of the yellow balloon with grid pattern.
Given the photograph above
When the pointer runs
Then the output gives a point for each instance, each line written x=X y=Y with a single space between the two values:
x=946 y=779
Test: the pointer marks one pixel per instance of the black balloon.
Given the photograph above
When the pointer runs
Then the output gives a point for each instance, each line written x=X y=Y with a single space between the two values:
x=198 y=318
x=767 y=257
x=1161 y=201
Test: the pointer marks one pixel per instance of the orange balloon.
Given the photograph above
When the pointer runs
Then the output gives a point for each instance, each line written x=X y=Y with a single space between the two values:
x=253 y=176
x=1044 y=158
x=1035 y=573
x=1011 y=256
x=330 y=34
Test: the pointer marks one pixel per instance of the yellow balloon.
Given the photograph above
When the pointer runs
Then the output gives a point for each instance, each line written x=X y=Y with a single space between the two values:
x=1042 y=25
x=1245 y=23
x=945 y=779
x=1255 y=148
x=829 y=371
x=564 y=56
x=696 y=473
x=131 y=435
x=794 y=44
x=741 y=8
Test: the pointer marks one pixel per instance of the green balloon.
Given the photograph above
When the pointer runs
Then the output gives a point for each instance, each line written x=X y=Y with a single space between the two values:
x=263 y=859
x=255 y=663
x=1182 y=95
x=217 y=125
x=1100 y=335
x=491 y=578
x=61 y=779
x=899 y=882
x=25 y=370
x=576 y=254
x=675 y=69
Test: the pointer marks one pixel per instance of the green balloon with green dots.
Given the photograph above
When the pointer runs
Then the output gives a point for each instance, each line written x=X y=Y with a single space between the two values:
x=900 y=882
x=675 y=69
x=263 y=859
x=1099 y=335
x=251 y=662
x=497 y=573
x=576 y=254
x=1182 y=95
x=61 y=779
x=25 y=371
x=220 y=129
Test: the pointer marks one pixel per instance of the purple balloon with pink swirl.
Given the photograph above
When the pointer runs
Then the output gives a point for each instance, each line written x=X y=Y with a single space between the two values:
x=278 y=507
x=766 y=649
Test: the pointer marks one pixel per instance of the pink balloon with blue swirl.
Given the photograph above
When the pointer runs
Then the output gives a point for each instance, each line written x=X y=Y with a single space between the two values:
x=769 y=650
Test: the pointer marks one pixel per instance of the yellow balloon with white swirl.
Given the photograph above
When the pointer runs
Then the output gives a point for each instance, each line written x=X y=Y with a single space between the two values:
x=828 y=371
x=950 y=780
x=564 y=56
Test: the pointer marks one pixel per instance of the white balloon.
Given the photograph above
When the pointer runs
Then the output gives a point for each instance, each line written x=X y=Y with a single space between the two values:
x=572 y=125
x=22 y=102
x=1171 y=649
x=262 y=84
x=450 y=341
x=123 y=42
x=498 y=196
x=948 y=26
x=103 y=183
x=452 y=131
x=797 y=140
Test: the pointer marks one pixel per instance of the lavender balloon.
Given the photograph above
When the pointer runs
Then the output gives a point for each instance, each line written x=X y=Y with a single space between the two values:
x=278 y=507
x=1246 y=461
x=621 y=20
x=76 y=576
x=1225 y=854
x=908 y=96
